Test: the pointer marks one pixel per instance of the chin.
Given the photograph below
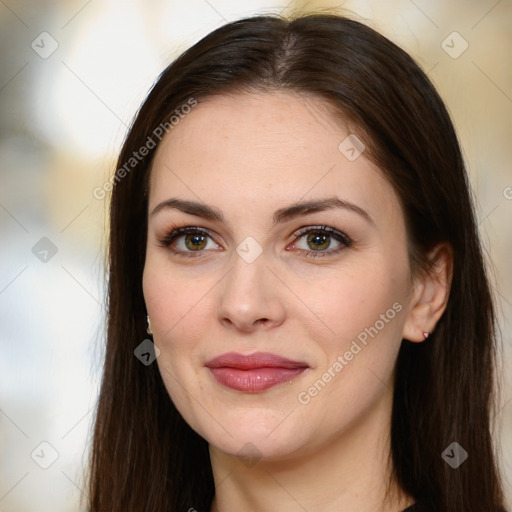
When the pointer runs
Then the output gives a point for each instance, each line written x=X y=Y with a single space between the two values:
x=250 y=448
x=251 y=437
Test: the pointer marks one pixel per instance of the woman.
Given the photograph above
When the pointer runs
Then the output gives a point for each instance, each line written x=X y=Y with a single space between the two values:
x=291 y=224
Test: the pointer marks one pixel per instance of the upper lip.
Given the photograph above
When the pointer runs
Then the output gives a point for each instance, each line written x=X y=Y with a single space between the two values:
x=252 y=361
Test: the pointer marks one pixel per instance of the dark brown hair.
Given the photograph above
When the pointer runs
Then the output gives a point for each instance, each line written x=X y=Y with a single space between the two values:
x=145 y=457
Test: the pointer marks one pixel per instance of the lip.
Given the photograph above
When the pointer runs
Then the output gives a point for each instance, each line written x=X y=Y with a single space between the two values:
x=254 y=372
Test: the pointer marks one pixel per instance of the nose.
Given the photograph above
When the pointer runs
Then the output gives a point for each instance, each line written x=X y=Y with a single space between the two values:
x=250 y=298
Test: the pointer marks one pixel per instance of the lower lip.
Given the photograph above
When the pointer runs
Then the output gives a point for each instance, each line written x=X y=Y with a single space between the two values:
x=257 y=379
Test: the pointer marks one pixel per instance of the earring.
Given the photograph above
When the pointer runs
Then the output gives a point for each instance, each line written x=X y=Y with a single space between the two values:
x=148 y=329
x=426 y=334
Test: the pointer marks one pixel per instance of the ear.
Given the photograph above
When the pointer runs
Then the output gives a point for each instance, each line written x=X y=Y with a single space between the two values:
x=429 y=295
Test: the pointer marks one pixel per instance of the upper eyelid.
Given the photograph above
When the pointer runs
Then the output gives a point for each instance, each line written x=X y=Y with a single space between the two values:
x=328 y=229
x=178 y=232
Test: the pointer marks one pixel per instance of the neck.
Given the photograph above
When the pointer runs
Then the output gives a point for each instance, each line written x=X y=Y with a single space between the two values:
x=351 y=472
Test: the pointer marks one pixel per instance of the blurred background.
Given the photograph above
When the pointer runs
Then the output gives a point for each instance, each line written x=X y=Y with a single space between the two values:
x=72 y=74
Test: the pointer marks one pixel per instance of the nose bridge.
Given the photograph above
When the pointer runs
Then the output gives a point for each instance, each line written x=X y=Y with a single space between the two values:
x=248 y=275
x=251 y=292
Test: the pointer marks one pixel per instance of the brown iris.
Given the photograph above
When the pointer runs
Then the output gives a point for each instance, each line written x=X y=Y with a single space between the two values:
x=195 y=241
x=321 y=241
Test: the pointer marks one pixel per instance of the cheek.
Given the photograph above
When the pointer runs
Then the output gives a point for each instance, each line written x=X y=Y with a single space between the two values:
x=357 y=361
x=176 y=305
x=173 y=298
x=353 y=298
x=181 y=314
x=361 y=305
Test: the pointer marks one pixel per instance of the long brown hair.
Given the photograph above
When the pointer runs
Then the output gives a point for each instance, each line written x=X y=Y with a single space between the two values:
x=144 y=456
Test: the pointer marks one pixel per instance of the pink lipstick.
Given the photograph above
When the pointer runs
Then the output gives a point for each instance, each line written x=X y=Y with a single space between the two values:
x=255 y=372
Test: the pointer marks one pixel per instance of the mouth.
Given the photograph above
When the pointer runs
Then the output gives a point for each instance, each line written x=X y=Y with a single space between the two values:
x=255 y=372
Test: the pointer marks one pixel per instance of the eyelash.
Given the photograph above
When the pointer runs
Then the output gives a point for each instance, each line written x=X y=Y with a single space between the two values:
x=340 y=237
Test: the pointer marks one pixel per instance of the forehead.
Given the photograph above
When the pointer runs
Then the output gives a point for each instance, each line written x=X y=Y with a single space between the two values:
x=262 y=149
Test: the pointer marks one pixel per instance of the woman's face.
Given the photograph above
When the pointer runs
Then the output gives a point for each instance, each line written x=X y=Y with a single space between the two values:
x=278 y=321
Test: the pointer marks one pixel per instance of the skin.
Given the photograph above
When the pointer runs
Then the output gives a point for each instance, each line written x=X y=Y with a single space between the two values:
x=249 y=155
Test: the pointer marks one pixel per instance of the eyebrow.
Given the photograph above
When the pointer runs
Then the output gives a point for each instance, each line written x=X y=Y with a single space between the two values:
x=283 y=214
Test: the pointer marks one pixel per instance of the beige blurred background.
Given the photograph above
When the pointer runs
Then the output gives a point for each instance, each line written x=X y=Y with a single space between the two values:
x=72 y=75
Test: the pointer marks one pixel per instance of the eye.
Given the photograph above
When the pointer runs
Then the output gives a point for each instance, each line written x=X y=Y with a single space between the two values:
x=320 y=241
x=312 y=241
x=189 y=240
